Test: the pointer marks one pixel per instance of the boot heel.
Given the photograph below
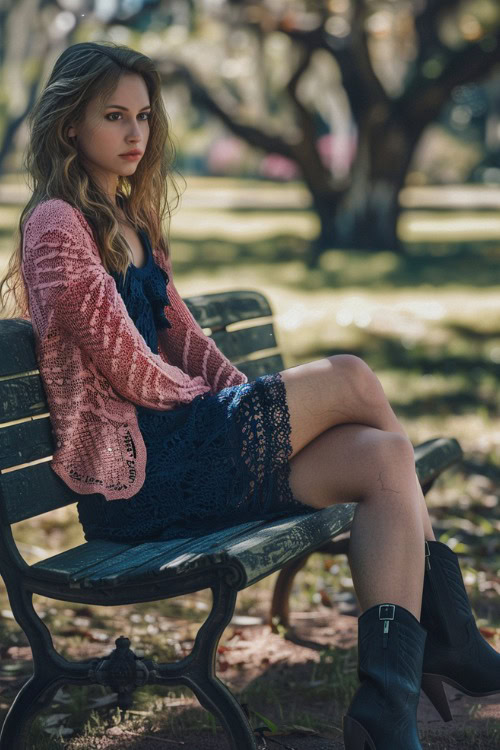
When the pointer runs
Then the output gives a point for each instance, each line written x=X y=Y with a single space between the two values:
x=355 y=736
x=433 y=687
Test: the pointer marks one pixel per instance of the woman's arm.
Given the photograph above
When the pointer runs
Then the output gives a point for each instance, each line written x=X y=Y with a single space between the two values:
x=188 y=347
x=68 y=281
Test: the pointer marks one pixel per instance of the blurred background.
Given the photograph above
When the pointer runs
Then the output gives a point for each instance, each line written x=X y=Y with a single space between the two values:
x=343 y=158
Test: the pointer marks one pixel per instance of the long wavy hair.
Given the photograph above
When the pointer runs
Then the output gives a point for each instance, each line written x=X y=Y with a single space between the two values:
x=84 y=71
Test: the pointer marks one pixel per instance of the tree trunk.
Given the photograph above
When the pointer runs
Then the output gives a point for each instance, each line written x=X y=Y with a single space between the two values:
x=365 y=215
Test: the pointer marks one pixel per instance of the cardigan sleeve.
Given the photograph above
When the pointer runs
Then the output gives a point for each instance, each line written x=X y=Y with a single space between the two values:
x=191 y=349
x=68 y=280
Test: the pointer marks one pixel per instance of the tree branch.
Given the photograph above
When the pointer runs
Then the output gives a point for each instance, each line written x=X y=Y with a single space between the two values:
x=427 y=26
x=373 y=91
x=305 y=152
x=362 y=87
x=172 y=70
x=470 y=63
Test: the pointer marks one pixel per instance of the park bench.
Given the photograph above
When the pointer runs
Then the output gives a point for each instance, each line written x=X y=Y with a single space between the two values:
x=107 y=573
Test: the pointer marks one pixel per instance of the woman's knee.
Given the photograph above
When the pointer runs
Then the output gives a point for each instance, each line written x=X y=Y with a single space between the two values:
x=362 y=378
x=352 y=366
x=345 y=463
x=392 y=468
x=392 y=446
x=368 y=393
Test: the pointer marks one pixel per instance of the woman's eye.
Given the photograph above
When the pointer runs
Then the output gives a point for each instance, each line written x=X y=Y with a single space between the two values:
x=148 y=115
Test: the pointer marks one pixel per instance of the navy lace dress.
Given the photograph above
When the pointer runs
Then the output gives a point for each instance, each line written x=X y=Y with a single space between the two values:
x=219 y=460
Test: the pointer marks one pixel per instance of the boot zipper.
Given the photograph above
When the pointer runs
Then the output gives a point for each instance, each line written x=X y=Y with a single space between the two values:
x=386 y=636
x=386 y=613
x=427 y=556
x=386 y=631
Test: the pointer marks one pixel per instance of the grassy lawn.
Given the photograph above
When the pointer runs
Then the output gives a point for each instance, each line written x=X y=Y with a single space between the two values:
x=428 y=323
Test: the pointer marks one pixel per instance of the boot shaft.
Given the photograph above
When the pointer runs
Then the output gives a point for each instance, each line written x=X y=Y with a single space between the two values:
x=455 y=650
x=390 y=649
x=446 y=611
x=391 y=645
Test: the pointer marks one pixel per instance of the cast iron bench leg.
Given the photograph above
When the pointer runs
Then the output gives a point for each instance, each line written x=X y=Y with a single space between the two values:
x=50 y=670
x=197 y=671
x=35 y=695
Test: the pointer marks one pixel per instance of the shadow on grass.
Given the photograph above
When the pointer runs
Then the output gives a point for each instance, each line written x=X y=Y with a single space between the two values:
x=433 y=264
x=473 y=374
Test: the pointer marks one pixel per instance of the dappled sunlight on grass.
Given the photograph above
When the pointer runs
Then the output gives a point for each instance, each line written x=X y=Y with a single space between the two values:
x=309 y=321
x=470 y=225
x=242 y=224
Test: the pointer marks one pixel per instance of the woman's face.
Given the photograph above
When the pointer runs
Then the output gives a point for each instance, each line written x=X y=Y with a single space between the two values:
x=109 y=131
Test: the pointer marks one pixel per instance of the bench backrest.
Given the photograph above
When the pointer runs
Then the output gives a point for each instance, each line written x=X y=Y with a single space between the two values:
x=25 y=429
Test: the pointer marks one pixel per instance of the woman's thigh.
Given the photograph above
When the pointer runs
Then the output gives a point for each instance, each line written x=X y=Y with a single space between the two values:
x=340 y=389
x=348 y=462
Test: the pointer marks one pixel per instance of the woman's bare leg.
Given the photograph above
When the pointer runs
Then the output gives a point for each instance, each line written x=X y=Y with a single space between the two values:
x=341 y=389
x=348 y=445
x=386 y=547
x=356 y=463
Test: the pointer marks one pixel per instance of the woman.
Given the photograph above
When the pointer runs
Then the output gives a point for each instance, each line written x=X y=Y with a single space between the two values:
x=162 y=436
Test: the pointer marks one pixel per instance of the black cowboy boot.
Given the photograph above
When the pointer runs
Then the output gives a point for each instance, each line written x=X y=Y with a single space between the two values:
x=383 y=712
x=455 y=651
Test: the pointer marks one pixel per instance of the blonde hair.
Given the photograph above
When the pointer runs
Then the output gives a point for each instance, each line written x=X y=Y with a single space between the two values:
x=84 y=71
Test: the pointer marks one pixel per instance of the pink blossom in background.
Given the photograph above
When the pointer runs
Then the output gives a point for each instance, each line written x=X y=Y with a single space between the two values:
x=337 y=151
x=278 y=167
x=226 y=155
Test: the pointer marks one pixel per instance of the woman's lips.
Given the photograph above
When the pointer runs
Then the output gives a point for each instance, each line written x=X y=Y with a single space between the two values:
x=131 y=157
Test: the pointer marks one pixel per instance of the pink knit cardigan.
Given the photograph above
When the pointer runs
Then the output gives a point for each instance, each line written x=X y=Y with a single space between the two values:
x=95 y=365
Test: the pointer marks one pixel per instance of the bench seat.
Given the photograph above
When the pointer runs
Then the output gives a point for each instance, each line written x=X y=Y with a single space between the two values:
x=248 y=552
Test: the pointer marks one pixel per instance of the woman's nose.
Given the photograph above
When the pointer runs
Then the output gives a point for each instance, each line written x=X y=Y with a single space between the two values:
x=135 y=130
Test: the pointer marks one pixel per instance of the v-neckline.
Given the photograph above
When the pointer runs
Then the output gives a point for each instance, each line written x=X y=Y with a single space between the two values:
x=145 y=244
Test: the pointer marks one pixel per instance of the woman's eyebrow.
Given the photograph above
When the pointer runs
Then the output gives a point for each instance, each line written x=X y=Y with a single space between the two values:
x=118 y=106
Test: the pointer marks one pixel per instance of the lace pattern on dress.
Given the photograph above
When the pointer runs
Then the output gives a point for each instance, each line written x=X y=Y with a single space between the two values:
x=264 y=421
x=218 y=461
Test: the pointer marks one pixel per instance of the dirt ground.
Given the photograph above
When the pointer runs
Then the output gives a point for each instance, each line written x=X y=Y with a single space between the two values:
x=254 y=655
x=470 y=715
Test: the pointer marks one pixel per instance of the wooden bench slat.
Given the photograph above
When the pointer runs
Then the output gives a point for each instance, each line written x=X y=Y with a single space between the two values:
x=127 y=562
x=237 y=344
x=148 y=554
x=264 y=366
x=74 y=567
x=25 y=442
x=201 y=552
x=434 y=456
x=255 y=549
x=22 y=396
x=28 y=492
x=63 y=565
x=135 y=556
x=220 y=309
x=18 y=339
x=255 y=552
